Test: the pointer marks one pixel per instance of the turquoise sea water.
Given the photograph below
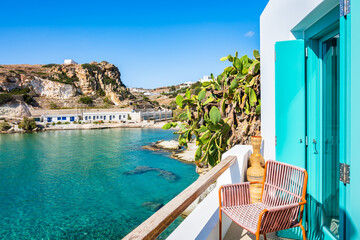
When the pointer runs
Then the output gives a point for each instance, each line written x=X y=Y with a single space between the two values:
x=73 y=184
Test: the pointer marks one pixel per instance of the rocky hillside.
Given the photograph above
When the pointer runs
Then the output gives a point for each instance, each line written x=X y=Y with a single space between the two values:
x=65 y=81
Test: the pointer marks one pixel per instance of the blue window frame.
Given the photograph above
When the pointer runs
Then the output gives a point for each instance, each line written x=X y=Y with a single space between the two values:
x=110 y=117
x=97 y=117
x=119 y=116
x=105 y=117
x=93 y=117
x=72 y=119
x=63 y=118
x=58 y=118
x=85 y=117
x=49 y=119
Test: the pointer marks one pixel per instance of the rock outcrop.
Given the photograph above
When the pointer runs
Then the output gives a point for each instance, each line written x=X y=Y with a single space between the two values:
x=62 y=81
x=51 y=89
x=15 y=109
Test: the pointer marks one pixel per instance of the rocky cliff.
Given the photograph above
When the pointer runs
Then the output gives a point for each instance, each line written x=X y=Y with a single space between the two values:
x=61 y=81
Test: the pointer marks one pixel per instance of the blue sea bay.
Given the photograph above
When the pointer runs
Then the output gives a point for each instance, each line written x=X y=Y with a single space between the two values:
x=73 y=184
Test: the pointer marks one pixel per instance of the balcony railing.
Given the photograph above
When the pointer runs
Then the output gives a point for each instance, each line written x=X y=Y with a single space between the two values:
x=160 y=220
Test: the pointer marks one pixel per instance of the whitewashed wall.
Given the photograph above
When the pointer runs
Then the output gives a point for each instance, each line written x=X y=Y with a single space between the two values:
x=276 y=23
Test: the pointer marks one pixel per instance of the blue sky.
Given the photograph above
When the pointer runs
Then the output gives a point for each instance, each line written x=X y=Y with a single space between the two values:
x=153 y=43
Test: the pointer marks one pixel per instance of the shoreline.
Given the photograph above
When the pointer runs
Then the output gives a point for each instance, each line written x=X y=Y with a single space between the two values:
x=90 y=126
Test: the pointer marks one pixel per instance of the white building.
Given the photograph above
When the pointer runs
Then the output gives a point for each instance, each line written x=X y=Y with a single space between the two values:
x=137 y=90
x=151 y=115
x=55 y=118
x=112 y=116
x=69 y=61
x=205 y=79
x=96 y=115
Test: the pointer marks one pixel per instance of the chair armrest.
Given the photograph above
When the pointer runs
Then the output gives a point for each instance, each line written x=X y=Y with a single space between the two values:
x=234 y=194
x=280 y=217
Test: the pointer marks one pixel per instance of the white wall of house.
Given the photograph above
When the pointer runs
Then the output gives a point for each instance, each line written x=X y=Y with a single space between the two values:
x=61 y=118
x=106 y=117
x=135 y=117
x=276 y=24
x=69 y=61
x=156 y=115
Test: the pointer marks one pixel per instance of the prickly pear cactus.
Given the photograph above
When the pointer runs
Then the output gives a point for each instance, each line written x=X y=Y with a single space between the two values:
x=225 y=112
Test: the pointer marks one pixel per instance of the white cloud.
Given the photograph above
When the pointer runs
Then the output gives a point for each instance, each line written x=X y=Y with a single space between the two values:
x=249 y=34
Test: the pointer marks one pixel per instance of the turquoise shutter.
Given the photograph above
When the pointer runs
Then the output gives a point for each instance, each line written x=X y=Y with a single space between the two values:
x=290 y=109
x=290 y=102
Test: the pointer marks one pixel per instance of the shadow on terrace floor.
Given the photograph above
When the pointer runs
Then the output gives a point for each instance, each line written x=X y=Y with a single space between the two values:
x=235 y=232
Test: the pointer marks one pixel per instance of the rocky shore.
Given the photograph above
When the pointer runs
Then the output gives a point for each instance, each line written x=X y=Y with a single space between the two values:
x=179 y=153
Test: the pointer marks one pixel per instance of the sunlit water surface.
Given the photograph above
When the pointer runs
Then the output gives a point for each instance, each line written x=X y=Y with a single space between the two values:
x=73 y=184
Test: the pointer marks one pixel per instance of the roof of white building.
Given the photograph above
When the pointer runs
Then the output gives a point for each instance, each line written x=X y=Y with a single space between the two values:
x=69 y=61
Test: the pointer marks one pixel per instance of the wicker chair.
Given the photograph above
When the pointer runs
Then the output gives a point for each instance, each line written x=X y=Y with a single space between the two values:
x=281 y=206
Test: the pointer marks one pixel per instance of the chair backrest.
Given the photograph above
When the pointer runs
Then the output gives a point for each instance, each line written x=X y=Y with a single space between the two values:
x=284 y=184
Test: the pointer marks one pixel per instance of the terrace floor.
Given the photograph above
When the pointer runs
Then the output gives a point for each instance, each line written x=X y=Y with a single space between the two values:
x=236 y=232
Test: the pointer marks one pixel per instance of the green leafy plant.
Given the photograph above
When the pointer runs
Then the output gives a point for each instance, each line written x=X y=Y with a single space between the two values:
x=91 y=67
x=53 y=106
x=27 y=98
x=214 y=115
x=63 y=78
x=28 y=124
x=18 y=91
x=4 y=126
x=21 y=71
x=49 y=65
x=5 y=98
x=108 y=101
x=100 y=92
x=109 y=80
x=86 y=100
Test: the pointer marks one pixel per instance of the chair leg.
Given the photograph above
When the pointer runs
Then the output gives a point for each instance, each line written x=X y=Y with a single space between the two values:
x=303 y=231
x=220 y=236
x=257 y=236
x=264 y=236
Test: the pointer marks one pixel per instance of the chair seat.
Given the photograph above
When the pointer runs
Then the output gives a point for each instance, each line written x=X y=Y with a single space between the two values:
x=247 y=216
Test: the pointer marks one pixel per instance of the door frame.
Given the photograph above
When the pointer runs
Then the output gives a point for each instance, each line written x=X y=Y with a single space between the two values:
x=314 y=117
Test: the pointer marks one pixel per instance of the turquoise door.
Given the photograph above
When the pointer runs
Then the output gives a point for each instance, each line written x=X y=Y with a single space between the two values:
x=325 y=130
x=290 y=108
x=324 y=140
